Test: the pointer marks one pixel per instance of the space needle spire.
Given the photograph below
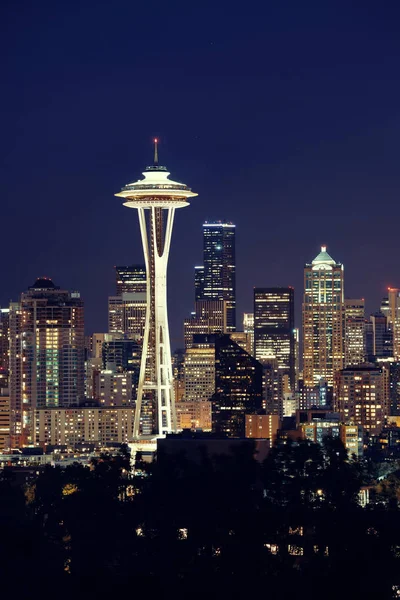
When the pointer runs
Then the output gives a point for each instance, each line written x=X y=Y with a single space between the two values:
x=155 y=197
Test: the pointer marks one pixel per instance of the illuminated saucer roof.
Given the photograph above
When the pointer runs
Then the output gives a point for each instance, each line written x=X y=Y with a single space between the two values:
x=156 y=189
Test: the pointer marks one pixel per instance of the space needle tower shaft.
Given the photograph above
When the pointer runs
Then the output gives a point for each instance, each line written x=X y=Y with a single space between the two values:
x=156 y=198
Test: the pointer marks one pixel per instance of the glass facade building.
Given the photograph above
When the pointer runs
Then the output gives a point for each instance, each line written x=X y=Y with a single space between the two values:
x=219 y=272
x=274 y=335
x=47 y=351
x=323 y=319
x=130 y=279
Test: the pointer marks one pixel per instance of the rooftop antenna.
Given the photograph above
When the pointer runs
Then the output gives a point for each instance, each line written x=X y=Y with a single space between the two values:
x=155 y=151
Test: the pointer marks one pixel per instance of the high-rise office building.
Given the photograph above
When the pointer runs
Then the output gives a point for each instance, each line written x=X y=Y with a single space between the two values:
x=323 y=319
x=199 y=283
x=362 y=396
x=210 y=316
x=121 y=354
x=379 y=338
x=238 y=387
x=248 y=327
x=4 y=346
x=274 y=328
x=47 y=347
x=127 y=314
x=394 y=319
x=394 y=388
x=219 y=271
x=355 y=348
x=199 y=370
x=130 y=279
x=156 y=199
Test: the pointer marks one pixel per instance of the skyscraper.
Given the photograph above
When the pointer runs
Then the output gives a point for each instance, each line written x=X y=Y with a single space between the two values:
x=199 y=370
x=156 y=198
x=355 y=347
x=394 y=319
x=209 y=317
x=248 y=327
x=46 y=354
x=4 y=346
x=379 y=338
x=238 y=387
x=130 y=279
x=323 y=319
x=219 y=267
x=274 y=328
x=127 y=314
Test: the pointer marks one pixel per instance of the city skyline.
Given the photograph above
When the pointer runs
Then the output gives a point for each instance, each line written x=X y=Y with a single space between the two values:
x=297 y=147
x=372 y=300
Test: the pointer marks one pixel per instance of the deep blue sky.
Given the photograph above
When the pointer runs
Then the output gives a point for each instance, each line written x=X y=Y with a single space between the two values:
x=284 y=116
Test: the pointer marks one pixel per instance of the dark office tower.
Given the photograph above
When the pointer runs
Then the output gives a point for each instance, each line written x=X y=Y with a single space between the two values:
x=238 y=387
x=274 y=336
x=199 y=283
x=4 y=346
x=47 y=347
x=394 y=388
x=130 y=279
x=220 y=267
x=122 y=354
x=379 y=338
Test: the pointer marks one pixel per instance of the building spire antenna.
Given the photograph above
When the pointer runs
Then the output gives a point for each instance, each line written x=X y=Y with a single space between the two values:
x=155 y=151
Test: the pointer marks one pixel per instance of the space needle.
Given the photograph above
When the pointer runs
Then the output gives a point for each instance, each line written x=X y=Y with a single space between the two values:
x=156 y=197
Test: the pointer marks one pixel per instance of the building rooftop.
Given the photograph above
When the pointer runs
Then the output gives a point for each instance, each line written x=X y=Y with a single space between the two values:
x=323 y=257
x=43 y=283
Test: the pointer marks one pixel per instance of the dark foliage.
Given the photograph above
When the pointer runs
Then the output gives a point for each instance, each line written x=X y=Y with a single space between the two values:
x=222 y=526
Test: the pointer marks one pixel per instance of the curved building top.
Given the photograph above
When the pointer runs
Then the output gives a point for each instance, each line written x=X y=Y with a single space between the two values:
x=156 y=189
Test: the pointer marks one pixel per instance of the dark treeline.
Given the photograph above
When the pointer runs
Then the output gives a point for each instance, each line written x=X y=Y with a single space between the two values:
x=217 y=527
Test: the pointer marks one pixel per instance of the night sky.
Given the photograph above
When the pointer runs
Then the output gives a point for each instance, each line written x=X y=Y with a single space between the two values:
x=284 y=116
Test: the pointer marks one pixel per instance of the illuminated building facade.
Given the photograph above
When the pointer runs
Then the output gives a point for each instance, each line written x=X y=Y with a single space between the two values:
x=130 y=279
x=73 y=426
x=47 y=347
x=394 y=319
x=4 y=346
x=262 y=426
x=199 y=371
x=127 y=314
x=156 y=198
x=248 y=327
x=362 y=396
x=5 y=422
x=210 y=316
x=238 y=387
x=219 y=272
x=323 y=319
x=274 y=328
x=199 y=283
x=355 y=345
x=115 y=389
x=194 y=415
